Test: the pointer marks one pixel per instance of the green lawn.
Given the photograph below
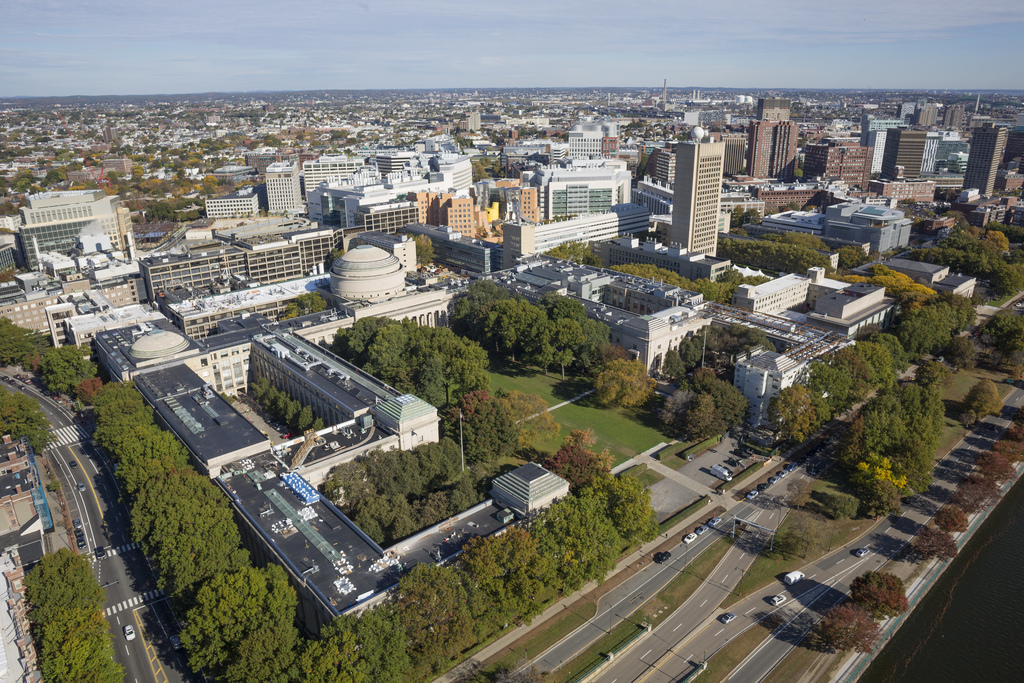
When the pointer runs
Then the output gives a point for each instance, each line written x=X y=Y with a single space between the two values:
x=624 y=432
x=646 y=476
x=519 y=377
x=953 y=392
x=544 y=636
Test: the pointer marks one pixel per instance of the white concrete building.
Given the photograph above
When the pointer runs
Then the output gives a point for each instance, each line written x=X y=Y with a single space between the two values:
x=762 y=377
x=284 y=187
x=245 y=202
x=580 y=187
x=329 y=168
x=523 y=239
x=590 y=139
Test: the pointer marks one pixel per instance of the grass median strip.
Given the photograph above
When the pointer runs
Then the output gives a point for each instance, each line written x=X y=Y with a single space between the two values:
x=661 y=604
x=735 y=651
x=545 y=636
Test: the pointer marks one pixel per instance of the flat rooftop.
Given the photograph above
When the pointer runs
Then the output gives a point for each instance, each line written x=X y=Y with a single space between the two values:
x=249 y=297
x=308 y=533
x=449 y=538
x=199 y=417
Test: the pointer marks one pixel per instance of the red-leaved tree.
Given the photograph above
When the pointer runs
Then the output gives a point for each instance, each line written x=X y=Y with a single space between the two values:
x=882 y=594
x=974 y=494
x=995 y=467
x=847 y=627
x=932 y=542
x=951 y=518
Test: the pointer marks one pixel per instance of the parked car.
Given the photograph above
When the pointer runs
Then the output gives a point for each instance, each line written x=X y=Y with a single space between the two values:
x=700 y=530
x=689 y=538
x=713 y=522
x=662 y=557
x=752 y=495
x=77 y=523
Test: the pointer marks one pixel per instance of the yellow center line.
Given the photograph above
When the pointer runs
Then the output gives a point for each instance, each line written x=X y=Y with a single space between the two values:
x=158 y=671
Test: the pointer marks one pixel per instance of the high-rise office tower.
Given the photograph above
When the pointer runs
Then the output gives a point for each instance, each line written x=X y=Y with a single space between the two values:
x=926 y=114
x=873 y=134
x=773 y=109
x=661 y=164
x=735 y=153
x=903 y=149
x=61 y=221
x=697 y=195
x=953 y=117
x=771 y=149
x=284 y=187
x=987 y=145
x=838 y=158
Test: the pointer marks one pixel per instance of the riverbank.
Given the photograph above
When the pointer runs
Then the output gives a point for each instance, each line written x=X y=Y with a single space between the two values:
x=853 y=668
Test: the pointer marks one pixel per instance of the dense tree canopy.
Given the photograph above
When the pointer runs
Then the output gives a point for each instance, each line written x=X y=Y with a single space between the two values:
x=624 y=383
x=579 y=539
x=63 y=368
x=20 y=416
x=880 y=593
x=71 y=634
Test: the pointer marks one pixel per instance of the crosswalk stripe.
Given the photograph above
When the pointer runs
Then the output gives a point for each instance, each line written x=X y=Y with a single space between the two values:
x=134 y=600
x=65 y=436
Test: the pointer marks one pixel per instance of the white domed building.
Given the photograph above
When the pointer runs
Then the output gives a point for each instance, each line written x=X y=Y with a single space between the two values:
x=367 y=273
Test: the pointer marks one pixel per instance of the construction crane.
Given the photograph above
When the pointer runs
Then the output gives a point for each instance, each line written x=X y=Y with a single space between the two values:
x=100 y=181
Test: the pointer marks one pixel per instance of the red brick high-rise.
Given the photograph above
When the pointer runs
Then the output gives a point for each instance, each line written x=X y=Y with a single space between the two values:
x=771 y=149
x=843 y=159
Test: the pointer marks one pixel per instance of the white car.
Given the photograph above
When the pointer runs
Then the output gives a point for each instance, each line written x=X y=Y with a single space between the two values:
x=777 y=600
x=129 y=632
x=689 y=538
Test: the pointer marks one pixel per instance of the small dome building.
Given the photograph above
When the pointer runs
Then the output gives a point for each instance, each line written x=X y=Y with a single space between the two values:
x=367 y=273
x=156 y=345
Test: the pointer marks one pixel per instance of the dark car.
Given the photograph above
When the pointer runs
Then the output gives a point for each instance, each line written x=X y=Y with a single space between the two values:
x=101 y=552
x=662 y=557
x=762 y=486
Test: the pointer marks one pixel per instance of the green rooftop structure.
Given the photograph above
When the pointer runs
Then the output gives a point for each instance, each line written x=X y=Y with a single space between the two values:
x=528 y=489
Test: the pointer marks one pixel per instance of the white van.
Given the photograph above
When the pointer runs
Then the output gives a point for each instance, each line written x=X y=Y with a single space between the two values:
x=793 y=577
x=722 y=473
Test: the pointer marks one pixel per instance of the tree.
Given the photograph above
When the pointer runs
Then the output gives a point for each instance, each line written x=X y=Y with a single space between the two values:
x=510 y=571
x=932 y=542
x=513 y=324
x=334 y=656
x=673 y=367
x=847 y=627
x=64 y=368
x=628 y=505
x=841 y=505
x=433 y=605
x=580 y=541
x=21 y=416
x=960 y=353
x=951 y=518
x=974 y=494
x=565 y=335
x=383 y=645
x=579 y=252
x=624 y=383
x=880 y=497
x=242 y=626
x=996 y=467
x=880 y=593
x=304 y=304
x=932 y=373
x=983 y=399
x=489 y=429
x=530 y=412
x=424 y=250
x=16 y=343
x=576 y=462
x=87 y=388
x=71 y=634
x=793 y=413
x=701 y=418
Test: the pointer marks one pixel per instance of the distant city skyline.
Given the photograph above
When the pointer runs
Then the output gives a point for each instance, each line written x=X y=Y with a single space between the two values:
x=124 y=47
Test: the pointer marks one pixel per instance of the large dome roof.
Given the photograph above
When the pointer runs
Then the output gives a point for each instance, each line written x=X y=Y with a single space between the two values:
x=367 y=273
x=365 y=258
x=158 y=344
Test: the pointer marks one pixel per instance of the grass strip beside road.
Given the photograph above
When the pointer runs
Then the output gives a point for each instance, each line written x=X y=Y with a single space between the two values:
x=735 y=651
x=684 y=513
x=595 y=654
x=545 y=635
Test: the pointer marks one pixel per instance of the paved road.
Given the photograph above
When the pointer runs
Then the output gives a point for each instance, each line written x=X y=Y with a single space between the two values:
x=826 y=583
x=132 y=596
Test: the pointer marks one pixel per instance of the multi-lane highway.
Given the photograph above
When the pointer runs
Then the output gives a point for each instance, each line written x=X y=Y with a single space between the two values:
x=697 y=631
x=132 y=595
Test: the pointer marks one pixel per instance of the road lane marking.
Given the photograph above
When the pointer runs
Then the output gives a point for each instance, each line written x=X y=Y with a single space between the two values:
x=158 y=671
x=678 y=625
x=751 y=609
x=703 y=603
x=646 y=653
x=719 y=632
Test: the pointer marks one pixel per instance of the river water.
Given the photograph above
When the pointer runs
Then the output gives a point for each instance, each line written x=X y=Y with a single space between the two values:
x=968 y=626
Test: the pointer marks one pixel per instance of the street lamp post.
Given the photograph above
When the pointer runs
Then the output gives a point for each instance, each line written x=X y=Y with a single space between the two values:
x=462 y=448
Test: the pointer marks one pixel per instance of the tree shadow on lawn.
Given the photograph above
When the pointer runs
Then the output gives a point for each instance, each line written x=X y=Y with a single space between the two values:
x=646 y=415
x=563 y=390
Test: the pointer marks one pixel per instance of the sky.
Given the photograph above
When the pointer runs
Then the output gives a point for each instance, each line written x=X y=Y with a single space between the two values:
x=134 y=47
